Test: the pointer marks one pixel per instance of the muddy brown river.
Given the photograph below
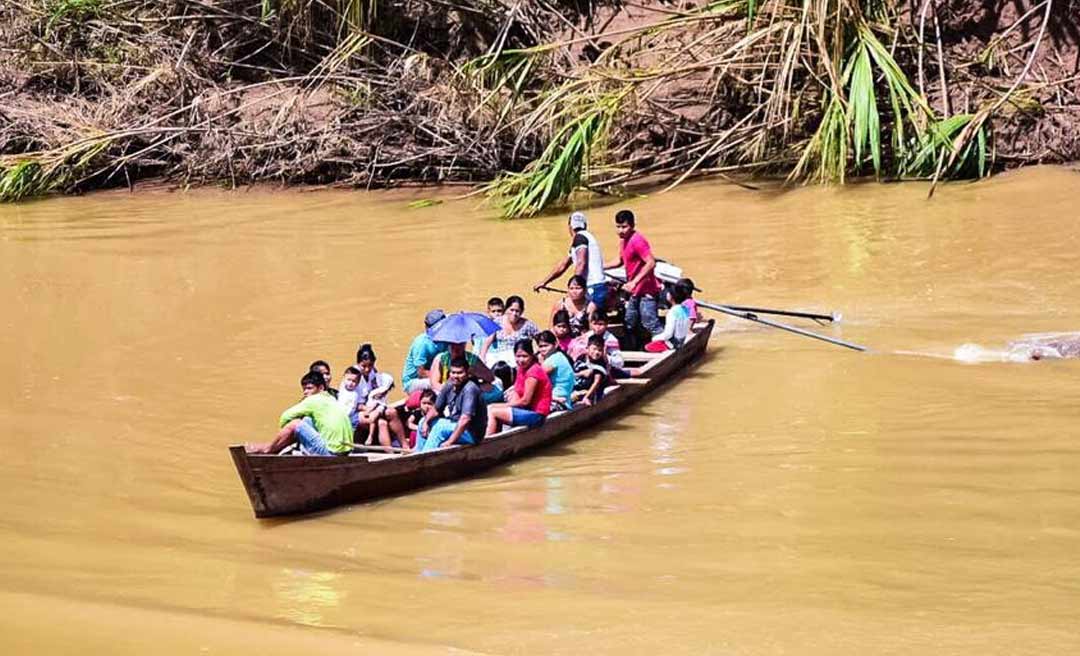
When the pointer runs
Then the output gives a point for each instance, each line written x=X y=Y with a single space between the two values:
x=785 y=497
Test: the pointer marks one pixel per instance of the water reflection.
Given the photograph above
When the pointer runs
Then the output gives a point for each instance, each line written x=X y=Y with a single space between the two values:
x=306 y=596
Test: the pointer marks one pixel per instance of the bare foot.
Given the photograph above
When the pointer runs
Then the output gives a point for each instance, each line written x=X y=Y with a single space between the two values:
x=252 y=447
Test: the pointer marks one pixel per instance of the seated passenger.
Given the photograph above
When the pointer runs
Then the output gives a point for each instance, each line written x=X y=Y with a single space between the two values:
x=530 y=400
x=348 y=396
x=690 y=304
x=676 y=323
x=495 y=308
x=414 y=375
x=559 y=370
x=439 y=373
x=502 y=380
x=560 y=325
x=598 y=326
x=591 y=372
x=321 y=367
x=513 y=326
x=317 y=423
x=575 y=304
x=418 y=422
x=373 y=390
x=459 y=415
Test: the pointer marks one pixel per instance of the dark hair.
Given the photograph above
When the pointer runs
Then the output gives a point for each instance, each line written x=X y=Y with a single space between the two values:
x=625 y=216
x=686 y=283
x=597 y=340
x=562 y=316
x=495 y=300
x=318 y=363
x=353 y=370
x=365 y=353
x=459 y=362
x=598 y=316
x=428 y=394
x=546 y=337
x=680 y=293
x=510 y=300
x=504 y=372
x=580 y=280
x=525 y=344
x=313 y=378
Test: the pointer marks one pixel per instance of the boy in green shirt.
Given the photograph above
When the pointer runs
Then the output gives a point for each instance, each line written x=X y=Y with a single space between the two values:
x=317 y=423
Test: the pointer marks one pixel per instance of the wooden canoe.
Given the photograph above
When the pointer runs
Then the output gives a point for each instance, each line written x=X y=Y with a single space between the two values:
x=293 y=484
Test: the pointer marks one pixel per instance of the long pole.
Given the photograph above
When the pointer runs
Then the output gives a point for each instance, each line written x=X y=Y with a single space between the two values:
x=750 y=316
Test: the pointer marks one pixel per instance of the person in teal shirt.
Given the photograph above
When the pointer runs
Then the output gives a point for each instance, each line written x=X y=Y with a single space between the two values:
x=557 y=365
x=318 y=423
x=414 y=375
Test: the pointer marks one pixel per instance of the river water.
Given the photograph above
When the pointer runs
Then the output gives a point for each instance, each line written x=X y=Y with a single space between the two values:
x=786 y=497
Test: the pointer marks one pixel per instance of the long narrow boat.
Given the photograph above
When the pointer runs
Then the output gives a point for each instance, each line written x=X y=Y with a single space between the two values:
x=293 y=484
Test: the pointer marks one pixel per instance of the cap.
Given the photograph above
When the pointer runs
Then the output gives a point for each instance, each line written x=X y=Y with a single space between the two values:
x=578 y=221
x=433 y=317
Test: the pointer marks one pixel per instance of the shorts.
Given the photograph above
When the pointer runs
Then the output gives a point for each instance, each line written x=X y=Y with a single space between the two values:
x=523 y=417
x=311 y=442
x=598 y=295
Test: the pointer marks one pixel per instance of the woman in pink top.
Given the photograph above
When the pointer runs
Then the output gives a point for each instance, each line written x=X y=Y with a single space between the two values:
x=530 y=400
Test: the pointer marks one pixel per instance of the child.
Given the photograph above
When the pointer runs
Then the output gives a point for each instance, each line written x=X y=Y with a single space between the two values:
x=591 y=372
x=348 y=396
x=418 y=420
x=560 y=325
x=598 y=326
x=690 y=304
x=676 y=323
x=495 y=309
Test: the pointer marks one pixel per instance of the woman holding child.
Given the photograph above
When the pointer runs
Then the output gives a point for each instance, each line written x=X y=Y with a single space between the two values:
x=372 y=390
x=529 y=402
x=513 y=326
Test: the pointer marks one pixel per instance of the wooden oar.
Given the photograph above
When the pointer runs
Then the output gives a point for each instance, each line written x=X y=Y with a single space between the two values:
x=750 y=316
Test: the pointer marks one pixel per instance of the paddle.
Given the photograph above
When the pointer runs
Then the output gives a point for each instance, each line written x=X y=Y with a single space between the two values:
x=749 y=315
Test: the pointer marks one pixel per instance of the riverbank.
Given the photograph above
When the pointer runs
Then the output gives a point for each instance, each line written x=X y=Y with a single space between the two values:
x=534 y=102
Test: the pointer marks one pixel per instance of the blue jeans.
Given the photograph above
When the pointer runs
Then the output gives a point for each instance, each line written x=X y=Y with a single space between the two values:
x=642 y=311
x=598 y=295
x=523 y=417
x=439 y=432
x=310 y=441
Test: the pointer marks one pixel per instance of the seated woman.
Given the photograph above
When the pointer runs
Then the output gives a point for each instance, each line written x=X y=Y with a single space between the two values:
x=576 y=306
x=530 y=400
x=513 y=326
x=676 y=323
x=559 y=370
x=372 y=390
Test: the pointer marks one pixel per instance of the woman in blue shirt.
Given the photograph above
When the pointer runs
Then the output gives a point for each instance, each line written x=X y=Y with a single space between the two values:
x=557 y=365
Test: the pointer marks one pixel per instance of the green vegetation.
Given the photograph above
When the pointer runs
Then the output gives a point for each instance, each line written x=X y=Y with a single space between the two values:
x=531 y=102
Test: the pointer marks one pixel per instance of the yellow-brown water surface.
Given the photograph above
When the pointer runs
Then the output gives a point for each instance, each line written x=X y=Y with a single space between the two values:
x=786 y=497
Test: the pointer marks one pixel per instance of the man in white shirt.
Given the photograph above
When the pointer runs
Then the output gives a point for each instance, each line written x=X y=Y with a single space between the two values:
x=587 y=261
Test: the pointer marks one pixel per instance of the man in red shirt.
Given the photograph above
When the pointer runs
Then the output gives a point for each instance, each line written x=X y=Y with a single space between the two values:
x=636 y=256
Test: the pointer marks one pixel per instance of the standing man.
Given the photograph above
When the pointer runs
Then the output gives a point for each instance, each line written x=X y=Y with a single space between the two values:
x=636 y=256
x=587 y=261
x=459 y=415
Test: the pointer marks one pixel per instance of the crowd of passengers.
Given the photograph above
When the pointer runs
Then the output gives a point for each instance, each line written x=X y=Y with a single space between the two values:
x=462 y=392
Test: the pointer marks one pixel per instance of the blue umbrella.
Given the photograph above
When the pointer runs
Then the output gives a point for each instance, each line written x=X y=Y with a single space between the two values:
x=461 y=327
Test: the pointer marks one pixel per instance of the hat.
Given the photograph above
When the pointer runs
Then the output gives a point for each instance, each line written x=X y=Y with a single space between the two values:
x=578 y=221
x=433 y=317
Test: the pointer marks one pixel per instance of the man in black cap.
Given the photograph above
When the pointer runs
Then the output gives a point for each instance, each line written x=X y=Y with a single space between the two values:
x=414 y=376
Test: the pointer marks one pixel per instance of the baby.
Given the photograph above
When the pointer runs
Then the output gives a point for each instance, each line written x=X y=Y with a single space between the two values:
x=349 y=395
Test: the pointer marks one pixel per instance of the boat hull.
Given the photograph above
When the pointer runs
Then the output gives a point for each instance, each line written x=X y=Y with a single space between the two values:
x=288 y=485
